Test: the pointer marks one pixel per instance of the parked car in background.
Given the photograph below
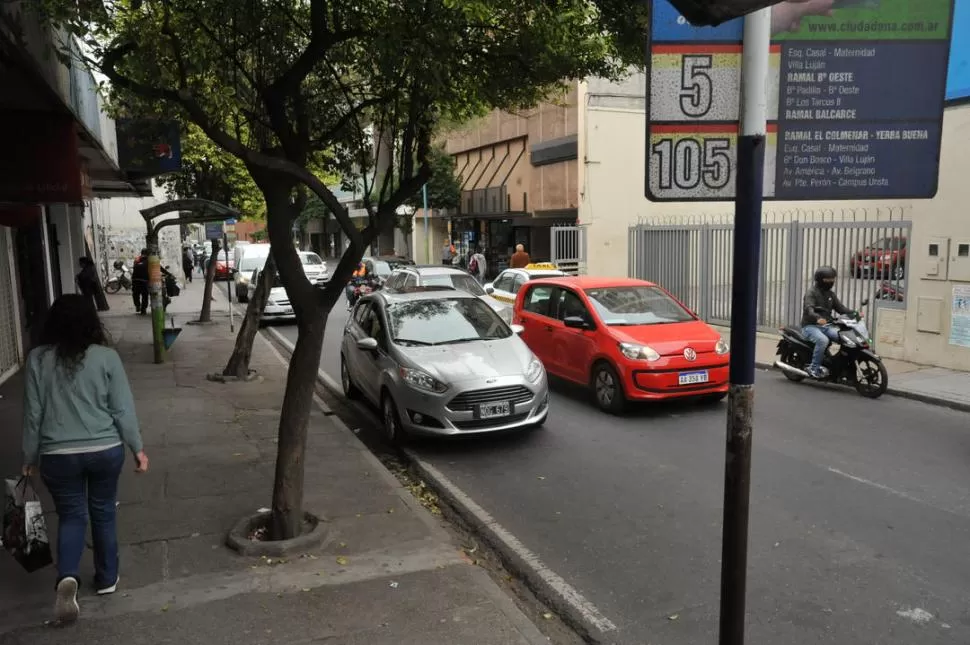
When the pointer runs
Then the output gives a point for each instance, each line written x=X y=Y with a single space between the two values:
x=278 y=305
x=884 y=259
x=248 y=257
x=441 y=363
x=405 y=278
x=508 y=283
x=315 y=268
x=395 y=261
x=625 y=339
x=224 y=268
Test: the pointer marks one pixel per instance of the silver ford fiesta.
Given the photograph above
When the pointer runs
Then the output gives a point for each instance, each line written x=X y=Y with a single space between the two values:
x=441 y=361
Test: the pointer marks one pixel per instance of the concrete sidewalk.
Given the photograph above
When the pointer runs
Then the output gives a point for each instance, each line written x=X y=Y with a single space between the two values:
x=934 y=385
x=388 y=572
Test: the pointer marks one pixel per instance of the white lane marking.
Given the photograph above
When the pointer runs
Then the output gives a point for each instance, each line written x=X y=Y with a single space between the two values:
x=881 y=487
x=917 y=615
x=568 y=593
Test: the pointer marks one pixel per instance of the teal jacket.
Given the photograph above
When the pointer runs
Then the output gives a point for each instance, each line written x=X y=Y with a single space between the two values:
x=92 y=409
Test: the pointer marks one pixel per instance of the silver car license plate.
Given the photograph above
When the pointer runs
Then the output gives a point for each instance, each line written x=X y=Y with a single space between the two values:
x=493 y=410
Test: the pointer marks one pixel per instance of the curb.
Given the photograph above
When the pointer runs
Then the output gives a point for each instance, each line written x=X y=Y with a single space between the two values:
x=928 y=399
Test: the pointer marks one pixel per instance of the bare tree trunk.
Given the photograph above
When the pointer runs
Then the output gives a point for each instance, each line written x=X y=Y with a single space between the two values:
x=312 y=309
x=238 y=364
x=210 y=275
x=286 y=521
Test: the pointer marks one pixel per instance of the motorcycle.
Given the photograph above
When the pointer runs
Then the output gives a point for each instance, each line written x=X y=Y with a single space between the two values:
x=854 y=364
x=362 y=288
x=121 y=280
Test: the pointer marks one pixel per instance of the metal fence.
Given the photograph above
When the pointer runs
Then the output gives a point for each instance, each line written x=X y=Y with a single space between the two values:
x=694 y=262
x=568 y=248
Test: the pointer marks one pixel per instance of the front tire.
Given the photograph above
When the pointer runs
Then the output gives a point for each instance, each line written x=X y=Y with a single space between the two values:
x=113 y=286
x=607 y=389
x=350 y=390
x=392 y=422
x=872 y=379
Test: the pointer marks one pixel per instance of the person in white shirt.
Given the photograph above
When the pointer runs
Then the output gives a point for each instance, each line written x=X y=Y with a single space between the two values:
x=477 y=266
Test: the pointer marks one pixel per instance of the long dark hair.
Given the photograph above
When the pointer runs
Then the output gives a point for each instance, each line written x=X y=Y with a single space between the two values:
x=71 y=327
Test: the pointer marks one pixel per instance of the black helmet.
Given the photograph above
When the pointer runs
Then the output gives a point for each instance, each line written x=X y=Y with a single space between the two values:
x=825 y=277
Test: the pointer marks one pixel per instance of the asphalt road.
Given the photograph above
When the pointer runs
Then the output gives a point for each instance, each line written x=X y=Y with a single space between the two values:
x=860 y=512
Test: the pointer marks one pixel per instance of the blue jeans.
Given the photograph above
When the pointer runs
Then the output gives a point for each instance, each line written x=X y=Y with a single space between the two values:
x=821 y=336
x=85 y=484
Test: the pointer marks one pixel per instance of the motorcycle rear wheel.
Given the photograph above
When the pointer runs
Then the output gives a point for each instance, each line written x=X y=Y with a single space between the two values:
x=791 y=358
x=112 y=286
x=872 y=379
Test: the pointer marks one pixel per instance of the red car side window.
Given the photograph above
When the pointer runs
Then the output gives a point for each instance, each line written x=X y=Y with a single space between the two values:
x=537 y=300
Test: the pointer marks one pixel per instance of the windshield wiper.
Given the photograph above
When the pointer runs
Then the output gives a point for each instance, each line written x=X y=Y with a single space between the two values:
x=408 y=341
x=461 y=340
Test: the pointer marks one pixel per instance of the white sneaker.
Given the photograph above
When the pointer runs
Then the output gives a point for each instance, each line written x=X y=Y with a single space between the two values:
x=110 y=590
x=65 y=607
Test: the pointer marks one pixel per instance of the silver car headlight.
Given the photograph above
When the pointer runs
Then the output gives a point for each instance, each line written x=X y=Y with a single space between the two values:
x=422 y=380
x=535 y=370
x=721 y=348
x=639 y=352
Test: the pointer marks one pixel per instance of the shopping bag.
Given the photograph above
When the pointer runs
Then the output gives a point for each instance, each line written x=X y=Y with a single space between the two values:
x=24 y=528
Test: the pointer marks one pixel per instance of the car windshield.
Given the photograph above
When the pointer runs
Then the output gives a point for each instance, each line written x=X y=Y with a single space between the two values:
x=458 y=281
x=618 y=306
x=249 y=264
x=310 y=258
x=444 y=321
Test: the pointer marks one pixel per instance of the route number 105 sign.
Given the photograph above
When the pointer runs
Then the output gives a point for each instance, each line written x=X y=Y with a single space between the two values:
x=855 y=102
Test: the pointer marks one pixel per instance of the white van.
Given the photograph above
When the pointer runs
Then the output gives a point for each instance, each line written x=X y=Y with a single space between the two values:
x=249 y=257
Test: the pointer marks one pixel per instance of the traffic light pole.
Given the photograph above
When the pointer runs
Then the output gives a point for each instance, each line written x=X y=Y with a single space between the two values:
x=744 y=299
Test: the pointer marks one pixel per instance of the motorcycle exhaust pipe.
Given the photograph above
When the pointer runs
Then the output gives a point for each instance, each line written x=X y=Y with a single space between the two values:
x=785 y=367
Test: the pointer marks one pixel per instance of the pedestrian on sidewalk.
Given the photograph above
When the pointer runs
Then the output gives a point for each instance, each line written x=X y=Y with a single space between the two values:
x=520 y=259
x=139 y=282
x=87 y=279
x=188 y=262
x=79 y=415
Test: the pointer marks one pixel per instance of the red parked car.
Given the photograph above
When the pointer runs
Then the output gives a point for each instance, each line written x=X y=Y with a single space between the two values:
x=885 y=259
x=627 y=340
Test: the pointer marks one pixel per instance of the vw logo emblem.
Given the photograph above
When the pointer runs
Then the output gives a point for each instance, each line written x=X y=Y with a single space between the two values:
x=690 y=354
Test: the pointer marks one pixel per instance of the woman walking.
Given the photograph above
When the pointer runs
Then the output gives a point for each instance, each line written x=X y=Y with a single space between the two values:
x=79 y=415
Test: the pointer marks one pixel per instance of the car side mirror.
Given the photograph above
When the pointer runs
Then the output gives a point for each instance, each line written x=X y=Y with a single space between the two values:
x=367 y=344
x=575 y=322
x=489 y=289
x=517 y=329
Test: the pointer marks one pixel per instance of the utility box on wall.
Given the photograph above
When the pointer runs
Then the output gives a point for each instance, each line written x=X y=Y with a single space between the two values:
x=933 y=258
x=959 y=270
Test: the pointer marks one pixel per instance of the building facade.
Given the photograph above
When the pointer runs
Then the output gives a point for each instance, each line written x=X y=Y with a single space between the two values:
x=516 y=173
x=520 y=175
x=60 y=159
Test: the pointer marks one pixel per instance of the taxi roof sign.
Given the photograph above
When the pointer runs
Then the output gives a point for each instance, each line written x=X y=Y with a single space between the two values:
x=541 y=266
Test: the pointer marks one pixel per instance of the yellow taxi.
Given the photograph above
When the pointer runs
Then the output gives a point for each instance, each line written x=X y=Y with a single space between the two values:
x=508 y=282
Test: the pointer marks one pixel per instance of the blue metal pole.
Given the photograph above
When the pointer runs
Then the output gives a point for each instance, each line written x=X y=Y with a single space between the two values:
x=744 y=323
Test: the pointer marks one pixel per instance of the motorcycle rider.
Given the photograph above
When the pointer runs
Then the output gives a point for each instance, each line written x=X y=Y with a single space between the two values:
x=819 y=303
x=358 y=277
